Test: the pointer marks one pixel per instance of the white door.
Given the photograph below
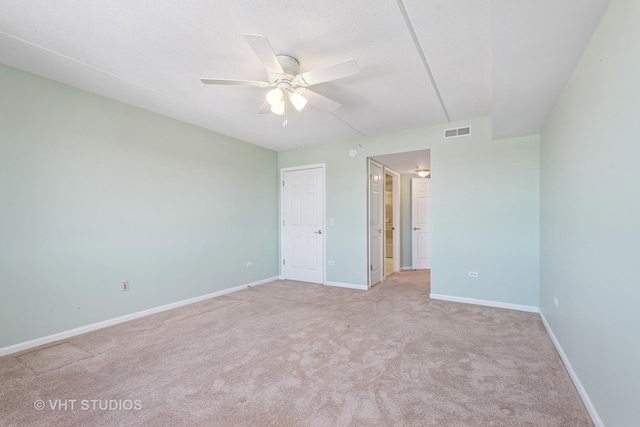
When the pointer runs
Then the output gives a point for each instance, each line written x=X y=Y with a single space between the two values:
x=420 y=223
x=376 y=225
x=303 y=225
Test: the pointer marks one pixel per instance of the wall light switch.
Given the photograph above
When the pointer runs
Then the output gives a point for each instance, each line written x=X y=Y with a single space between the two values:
x=330 y=221
x=473 y=274
x=332 y=262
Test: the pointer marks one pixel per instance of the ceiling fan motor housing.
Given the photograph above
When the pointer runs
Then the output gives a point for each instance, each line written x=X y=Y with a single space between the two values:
x=289 y=64
x=291 y=68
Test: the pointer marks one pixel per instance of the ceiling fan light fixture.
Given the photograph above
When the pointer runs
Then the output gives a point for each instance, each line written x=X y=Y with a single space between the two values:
x=275 y=97
x=297 y=100
x=278 y=108
x=287 y=82
x=423 y=173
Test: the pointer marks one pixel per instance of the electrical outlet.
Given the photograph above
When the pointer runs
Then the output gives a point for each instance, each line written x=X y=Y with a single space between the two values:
x=125 y=285
x=332 y=262
x=249 y=264
x=555 y=301
x=473 y=274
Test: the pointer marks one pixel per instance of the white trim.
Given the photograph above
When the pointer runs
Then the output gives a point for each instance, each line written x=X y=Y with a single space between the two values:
x=323 y=167
x=407 y=267
x=303 y=167
x=527 y=308
x=347 y=285
x=597 y=421
x=106 y=323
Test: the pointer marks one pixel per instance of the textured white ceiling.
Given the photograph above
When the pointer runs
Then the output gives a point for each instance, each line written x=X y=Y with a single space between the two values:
x=422 y=62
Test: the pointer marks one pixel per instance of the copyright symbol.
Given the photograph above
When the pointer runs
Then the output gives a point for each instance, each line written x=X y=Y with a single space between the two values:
x=39 y=405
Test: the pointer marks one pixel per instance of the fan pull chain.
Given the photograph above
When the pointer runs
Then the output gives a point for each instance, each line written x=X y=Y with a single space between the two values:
x=286 y=108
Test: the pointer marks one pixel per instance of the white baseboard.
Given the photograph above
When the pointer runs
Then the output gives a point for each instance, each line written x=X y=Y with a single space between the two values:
x=241 y=287
x=347 y=285
x=527 y=308
x=574 y=377
x=106 y=323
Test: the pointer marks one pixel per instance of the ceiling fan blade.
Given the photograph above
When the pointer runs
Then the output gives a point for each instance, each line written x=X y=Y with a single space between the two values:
x=330 y=72
x=266 y=108
x=265 y=53
x=235 y=82
x=318 y=100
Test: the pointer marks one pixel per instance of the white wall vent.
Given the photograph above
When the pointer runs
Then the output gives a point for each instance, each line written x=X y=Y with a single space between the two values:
x=453 y=133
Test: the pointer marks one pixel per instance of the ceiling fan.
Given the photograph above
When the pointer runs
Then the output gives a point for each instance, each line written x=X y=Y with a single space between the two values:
x=283 y=72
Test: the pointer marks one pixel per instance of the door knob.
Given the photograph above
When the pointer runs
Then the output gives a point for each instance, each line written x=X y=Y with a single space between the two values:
x=380 y=231
x=317 y=232
x=416 y=228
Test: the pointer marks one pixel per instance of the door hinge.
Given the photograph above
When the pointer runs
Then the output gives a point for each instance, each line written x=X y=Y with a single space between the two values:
x=283 y=222
x=282 y=262
x=283 y=183
x=371 y=267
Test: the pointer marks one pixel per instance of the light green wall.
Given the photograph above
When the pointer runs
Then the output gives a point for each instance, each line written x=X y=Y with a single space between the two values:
x=485 y=214
x=485 y=204
x=94 y=191
x=590 y=211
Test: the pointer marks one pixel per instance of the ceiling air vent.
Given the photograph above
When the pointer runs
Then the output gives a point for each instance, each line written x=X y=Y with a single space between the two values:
x=452 y=133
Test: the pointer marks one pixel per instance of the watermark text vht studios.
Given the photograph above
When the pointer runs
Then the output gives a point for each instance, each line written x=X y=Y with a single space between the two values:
x=88 y=405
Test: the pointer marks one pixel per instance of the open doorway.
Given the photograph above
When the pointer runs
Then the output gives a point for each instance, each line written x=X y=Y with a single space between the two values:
x=398 y=170
x=384 y=227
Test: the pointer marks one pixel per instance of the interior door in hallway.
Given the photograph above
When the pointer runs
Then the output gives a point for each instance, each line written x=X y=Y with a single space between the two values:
x=303 y=225
x=420 y=223
x=376 y=225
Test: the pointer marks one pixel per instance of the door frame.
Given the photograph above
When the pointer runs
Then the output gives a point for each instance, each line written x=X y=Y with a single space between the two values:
x=322 y=167
x=397 y=224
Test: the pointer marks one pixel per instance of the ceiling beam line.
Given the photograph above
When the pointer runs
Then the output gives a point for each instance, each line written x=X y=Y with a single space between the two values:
x=345 y=122
x=416 y=41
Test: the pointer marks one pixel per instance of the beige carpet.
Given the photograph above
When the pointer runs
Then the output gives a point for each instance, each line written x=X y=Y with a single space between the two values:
x=290 y=354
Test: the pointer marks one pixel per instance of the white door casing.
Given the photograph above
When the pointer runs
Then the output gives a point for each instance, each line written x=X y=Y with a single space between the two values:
x=303 y=224
x=420 y=223
x=376 y=225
